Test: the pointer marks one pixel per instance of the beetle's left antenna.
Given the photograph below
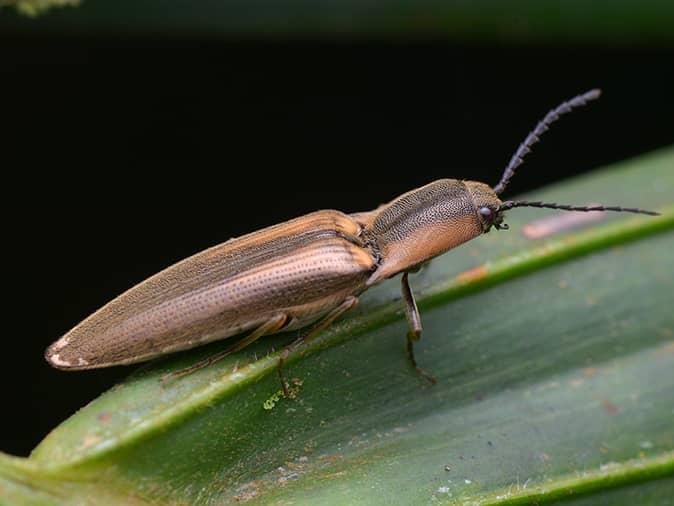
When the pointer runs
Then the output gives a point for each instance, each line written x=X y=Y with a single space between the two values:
x=534 y=136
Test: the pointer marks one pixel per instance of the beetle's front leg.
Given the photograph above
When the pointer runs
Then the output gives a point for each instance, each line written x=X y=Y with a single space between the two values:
x=414 y=320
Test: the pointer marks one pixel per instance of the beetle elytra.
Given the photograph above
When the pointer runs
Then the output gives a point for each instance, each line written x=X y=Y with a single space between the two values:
x=301 y=273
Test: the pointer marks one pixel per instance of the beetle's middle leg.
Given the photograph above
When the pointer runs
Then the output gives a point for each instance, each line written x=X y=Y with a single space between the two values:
x=271 y=326
x=350 y=302
x=414 y=320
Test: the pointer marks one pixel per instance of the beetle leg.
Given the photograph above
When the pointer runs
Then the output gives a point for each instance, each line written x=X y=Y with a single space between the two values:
x=271 y=326
x=414 y=320
x=322 y=324
x=419 y=267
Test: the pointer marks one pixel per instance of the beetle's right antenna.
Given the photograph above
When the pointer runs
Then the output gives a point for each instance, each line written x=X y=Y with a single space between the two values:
x=534 y=136
x=565 y=207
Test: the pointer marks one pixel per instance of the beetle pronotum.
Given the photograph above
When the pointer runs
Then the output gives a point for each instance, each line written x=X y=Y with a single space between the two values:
x=306 y=271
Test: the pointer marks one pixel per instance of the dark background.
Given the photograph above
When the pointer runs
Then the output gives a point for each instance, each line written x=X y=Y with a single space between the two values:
x=123 y=155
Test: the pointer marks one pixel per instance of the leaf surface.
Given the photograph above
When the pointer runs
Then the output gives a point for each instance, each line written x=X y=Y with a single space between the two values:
x=554 y=361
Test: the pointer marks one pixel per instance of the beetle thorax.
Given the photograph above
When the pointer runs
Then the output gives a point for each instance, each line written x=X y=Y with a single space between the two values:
x=422 y=224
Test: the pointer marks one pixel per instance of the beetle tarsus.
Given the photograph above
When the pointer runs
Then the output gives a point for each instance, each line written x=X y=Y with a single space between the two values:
x=410 y=355
x=284 y=383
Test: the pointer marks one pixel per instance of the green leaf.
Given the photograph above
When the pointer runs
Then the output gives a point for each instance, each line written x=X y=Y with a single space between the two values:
x=554 y=360
x=35 y=7
x=621 y=22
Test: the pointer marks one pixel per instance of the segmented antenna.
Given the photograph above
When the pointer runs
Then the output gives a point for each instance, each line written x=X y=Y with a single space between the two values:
x=534 y=136
x=552 y=205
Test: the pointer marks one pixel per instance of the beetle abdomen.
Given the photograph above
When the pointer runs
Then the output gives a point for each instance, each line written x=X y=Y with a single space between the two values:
x=303 y=268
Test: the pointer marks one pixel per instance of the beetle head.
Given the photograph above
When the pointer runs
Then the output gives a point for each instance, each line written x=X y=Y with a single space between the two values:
x=487 y=206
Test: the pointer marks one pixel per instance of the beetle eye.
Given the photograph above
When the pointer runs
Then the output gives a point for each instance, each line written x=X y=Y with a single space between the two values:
x=486 y=213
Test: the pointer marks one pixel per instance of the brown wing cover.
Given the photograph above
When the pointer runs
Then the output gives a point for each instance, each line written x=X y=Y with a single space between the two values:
x=298 y=267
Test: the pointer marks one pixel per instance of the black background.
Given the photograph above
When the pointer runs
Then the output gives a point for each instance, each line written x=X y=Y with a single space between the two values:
x=122 y=156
